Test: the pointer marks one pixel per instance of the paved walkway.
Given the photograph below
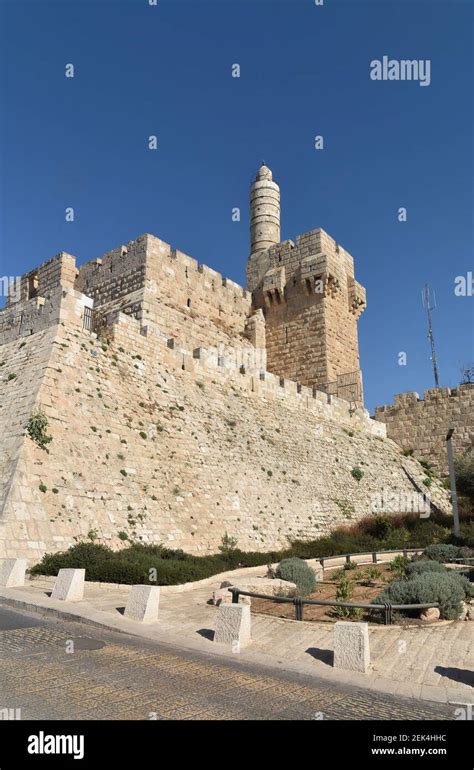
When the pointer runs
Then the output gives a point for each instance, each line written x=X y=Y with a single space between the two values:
x=107 y=675
x=434 y=662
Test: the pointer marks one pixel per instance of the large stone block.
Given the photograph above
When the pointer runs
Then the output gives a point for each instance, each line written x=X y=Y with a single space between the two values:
x=351 y=646
x=233 y=625
x=69 y=585
x=12 y=572
x=261 y=585
x=143 y=604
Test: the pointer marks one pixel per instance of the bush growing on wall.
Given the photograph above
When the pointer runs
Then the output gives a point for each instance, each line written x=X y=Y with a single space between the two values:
x=36 y=427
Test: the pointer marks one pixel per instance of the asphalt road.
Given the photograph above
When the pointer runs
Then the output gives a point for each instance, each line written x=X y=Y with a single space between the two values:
x=51 y=669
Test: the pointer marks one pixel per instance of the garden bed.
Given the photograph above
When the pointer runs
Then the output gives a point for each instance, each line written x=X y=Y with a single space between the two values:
x=365 y=590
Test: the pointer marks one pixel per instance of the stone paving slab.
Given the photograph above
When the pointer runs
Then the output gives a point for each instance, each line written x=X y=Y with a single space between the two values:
x=431 y=663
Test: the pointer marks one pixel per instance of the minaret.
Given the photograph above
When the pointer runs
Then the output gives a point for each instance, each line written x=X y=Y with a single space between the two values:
x=264 y=211
x=264 y=220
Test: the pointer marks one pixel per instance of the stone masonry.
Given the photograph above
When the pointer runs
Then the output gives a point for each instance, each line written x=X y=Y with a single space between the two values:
x=167 y=424
x=309 y=297
x=422 y=424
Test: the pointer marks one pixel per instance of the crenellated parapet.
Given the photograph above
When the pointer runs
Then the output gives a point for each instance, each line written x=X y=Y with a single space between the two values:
x=311 y=302
x=146 y=279
x=419 y=425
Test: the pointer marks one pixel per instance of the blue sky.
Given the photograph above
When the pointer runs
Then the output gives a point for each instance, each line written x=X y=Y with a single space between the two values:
x=142 y=70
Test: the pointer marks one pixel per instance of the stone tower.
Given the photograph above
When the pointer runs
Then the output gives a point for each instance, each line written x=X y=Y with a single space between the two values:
x=264 y=211
x=309 y=297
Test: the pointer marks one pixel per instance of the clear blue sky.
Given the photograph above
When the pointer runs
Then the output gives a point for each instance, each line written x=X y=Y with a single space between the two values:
x=166 y=70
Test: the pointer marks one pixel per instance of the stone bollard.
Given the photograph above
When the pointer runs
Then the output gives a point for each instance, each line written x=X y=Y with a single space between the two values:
x=233 y=625
x=351 y=646
x=69 y=585
x=12 y=572
x=143 y=604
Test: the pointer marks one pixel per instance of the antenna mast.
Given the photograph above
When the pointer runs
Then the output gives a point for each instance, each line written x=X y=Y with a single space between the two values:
x=426 y=295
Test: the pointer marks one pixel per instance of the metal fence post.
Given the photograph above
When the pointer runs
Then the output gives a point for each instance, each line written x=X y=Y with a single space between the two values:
x=452 y=480
x=298 y=602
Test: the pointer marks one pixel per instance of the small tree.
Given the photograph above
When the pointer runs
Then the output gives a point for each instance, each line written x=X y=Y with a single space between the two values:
x=467 y=374
x=228 y=544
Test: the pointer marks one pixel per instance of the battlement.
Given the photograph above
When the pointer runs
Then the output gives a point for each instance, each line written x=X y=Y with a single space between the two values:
x=421 y=424
x=244 y=368
x=144 y=259
x=59 y=271
x=147 y=279
x=30 y=316
x=311 y=302
x=291 y=253
x=410 y=397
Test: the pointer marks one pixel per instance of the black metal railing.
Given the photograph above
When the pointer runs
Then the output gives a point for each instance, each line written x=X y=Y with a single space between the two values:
x=372 y=554
x=387 y=608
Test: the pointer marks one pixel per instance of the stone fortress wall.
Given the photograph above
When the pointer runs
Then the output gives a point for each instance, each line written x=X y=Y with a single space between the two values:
x=164 y=288
x=167 y=423
x=422 y=424
x=165 y=445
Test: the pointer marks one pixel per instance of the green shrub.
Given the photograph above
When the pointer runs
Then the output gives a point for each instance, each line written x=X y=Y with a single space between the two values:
x=36 y=428
x=357 y=474
x=465 y=552
x=428 y=467
x=399 y=566
x=133 y=564
x=370 y=534
x=228 y=543
x=382 y=526
x=467 y=534
x=464 y=469
x=442 y=552
x=297 y=571
x=447 y=590
x=465 y=584
x=373 y=573
x=86 y=555
x=421 y=566
x=344 y=591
